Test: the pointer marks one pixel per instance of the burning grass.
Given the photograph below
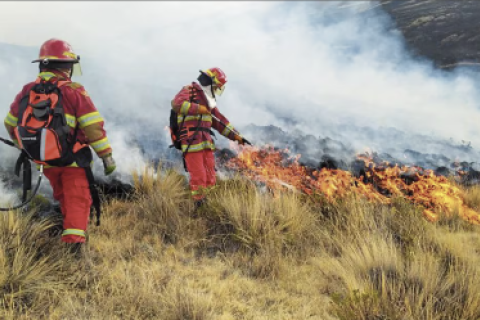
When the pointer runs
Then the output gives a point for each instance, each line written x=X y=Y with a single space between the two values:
x=379 y=182
x=248 y=254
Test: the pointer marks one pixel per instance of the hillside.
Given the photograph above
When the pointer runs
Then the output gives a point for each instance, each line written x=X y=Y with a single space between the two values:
x=444 y=31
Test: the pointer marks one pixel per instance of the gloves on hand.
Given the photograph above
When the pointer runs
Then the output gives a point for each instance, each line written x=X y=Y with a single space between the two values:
x=108 y=164
x=203 y=109
x=241 y=140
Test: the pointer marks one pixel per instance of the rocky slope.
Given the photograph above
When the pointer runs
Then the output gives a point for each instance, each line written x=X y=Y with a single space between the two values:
x=445 y=31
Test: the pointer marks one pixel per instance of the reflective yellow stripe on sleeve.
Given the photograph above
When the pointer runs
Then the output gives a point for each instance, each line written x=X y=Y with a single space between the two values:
x=89 y=119
x=227 y=130
x=11 y=120
x=71 y=120
x=100 y=145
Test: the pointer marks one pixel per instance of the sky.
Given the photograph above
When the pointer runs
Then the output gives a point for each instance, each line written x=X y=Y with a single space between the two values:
x=326 y=68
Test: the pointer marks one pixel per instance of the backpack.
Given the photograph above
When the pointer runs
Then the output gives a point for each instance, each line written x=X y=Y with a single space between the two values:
x=42 y=131
x=178 y=132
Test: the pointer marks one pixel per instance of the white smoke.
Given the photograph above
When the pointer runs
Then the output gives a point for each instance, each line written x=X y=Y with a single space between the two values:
x=327 y=68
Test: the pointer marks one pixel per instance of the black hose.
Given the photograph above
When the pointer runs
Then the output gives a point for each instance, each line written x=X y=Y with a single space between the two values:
x=34 y=192
x=8 y=142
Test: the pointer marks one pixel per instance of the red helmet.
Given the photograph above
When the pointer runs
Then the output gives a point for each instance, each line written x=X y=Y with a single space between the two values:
x=58 y=51
x=219 y=79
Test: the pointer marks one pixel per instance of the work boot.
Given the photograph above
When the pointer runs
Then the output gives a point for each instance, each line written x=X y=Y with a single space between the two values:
x=199 y=204
x=75 y=249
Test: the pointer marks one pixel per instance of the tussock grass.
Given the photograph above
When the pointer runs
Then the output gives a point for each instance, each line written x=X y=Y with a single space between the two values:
x=246 y=254
x=263 y=227
x=394 y=265
x=33 y=269
x=472 y=197
x=162 y=198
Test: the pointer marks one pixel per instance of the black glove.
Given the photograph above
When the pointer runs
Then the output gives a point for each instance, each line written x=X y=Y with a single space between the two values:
x=246 y=141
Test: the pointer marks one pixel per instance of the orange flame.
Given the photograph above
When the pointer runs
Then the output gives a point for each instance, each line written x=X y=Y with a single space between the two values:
x=436 y=194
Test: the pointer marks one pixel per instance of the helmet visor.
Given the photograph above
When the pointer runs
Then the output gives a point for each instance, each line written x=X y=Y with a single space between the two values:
x=219 y=91
x=77 y=69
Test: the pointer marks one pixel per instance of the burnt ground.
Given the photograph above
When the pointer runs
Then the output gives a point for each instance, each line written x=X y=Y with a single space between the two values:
x=445 y=31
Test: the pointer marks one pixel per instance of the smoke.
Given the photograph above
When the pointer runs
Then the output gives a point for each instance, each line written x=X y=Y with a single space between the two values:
x=336 y=69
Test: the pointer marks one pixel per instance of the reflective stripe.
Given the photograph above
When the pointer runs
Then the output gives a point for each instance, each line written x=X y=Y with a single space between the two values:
x=89 y=119
x=227 y=130
x=73 y=165
x=205 y=117
x=210 y=73
x=185 y=107
x=100 y=145
x=42 y=144
x=70 y=54
x=199 y=146
x=75 y=232
x=48 y=57
x=47 y=75
x=11 y=120
x=71 y=120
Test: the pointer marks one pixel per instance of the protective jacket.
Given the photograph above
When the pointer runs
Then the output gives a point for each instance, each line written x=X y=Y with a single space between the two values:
x=199 y=135
x=71 y=184
x=82 y=116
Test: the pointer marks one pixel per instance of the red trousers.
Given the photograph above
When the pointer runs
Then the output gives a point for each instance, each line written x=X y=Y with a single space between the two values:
x=71 y=189
x=201 y=167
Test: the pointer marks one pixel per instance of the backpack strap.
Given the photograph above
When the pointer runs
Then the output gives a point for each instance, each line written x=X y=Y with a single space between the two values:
x=22 y=106
x=202 y=129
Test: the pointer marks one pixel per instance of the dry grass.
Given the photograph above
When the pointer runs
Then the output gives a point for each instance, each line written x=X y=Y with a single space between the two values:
x=246 y=255
x=33 y=268
x=472 y=197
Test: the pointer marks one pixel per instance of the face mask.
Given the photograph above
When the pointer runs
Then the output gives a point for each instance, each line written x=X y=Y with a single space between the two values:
x=219 y=91
x=77 y=69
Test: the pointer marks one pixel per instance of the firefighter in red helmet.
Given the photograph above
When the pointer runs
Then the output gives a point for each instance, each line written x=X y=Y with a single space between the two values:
x=197 y=113
x=83 y=127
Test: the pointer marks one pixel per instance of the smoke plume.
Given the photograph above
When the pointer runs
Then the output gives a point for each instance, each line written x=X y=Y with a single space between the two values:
x=329 y=69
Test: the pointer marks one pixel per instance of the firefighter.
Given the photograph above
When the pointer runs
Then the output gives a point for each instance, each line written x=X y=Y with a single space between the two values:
x=70 y=184
x=197 y=113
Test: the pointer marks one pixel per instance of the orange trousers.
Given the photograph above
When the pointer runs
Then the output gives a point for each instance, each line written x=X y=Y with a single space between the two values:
x=201 y=167
x=71 y=189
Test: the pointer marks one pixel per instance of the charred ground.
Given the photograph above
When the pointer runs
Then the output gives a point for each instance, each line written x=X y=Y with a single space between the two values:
x=444 y=31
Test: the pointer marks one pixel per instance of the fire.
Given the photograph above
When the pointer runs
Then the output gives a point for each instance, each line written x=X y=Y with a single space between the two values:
x=381 y=183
